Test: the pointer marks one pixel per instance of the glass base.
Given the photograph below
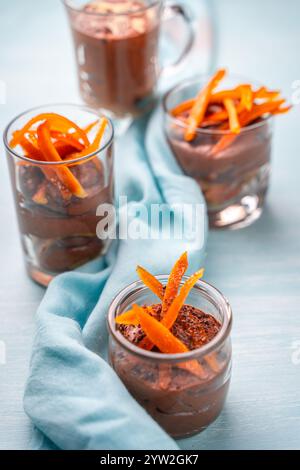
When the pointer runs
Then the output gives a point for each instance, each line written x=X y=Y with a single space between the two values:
x=43 y=277
x=238 y=214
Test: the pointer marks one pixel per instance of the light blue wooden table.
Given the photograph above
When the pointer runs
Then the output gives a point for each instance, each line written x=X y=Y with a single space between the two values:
x=258 y=268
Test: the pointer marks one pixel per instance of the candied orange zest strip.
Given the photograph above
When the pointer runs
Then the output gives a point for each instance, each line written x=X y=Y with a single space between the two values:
x=56 y=122
x=259 y=110
x=40 y=196
x=171 y=316
x=212 y=361
x=233 y=94
x=182 y=107
x=264 y=93
x=165 y=341
x=91 y=149
x=246 y=118
x=234 y=123
x=174 y=280
x=246 y=97
x=215 y=118
x=202 y=101
x=67 y=139
x=242 y=92
x=220 y=116
x=194 y=368
x=50 y=153
x=283 y=110
x=151 y=282
x=215 y=98
x=64 y=149
x=96 y=142
x=33 y=152
x=32 y=137
x=87 y=129
x=223 y=143
x=159 y=334
x=127 y=318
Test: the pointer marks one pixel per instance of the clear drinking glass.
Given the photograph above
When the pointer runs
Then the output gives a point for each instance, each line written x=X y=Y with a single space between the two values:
x=183 y=404
x=116 y=45
x=235 y=179
x=58 y=233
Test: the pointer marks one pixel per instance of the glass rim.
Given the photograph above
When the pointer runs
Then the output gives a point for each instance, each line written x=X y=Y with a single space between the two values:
x=14 y=153
x=67 y=4
x=199 y=78
x=139 y=286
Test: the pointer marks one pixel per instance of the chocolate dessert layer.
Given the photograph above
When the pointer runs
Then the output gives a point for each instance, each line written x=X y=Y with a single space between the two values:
x=193 y=327
x=225 y=175
x=181 y=402
x=59 y=229
x=116 y=55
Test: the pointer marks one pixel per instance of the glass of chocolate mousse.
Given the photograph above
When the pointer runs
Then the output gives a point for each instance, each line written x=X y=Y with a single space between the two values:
x=183 y=392
x=234 y=177
x=57 y=201
x=116 y=45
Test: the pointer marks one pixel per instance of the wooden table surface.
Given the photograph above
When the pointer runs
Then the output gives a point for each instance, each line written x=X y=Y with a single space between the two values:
x=257 y=268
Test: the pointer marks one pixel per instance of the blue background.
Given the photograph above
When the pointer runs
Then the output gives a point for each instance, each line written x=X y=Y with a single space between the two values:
x=257 y=268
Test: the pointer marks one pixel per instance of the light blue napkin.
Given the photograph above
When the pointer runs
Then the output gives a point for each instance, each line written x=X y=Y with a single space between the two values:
x=73 y=397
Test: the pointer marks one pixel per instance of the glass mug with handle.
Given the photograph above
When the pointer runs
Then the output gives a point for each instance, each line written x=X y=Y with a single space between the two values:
x=117 y=47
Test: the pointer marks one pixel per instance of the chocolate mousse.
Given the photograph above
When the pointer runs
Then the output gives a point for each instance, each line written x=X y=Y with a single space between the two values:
x=61 y=232
x=182 y=403
x=184 y=395
x=116 y=45
x=230 y=173
x=60 y=174
x=193 y=327
x=222 y=138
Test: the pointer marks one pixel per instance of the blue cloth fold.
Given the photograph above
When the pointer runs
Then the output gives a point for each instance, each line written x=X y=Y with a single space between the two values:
x=73 y=396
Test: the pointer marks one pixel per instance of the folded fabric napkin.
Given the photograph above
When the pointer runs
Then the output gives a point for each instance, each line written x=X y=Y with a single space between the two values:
x=72 y=395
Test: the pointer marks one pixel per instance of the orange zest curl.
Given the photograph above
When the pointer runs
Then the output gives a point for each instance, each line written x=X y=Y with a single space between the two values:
x=238 y=108
x=52 y=138
x=151 y=282
x=50 y=154
x=165 y=341
x=158 y=331
x=199 y=108
x=171 y=316
x=173 y=284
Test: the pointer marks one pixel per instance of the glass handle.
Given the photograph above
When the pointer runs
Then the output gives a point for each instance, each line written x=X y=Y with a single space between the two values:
x=172 y=10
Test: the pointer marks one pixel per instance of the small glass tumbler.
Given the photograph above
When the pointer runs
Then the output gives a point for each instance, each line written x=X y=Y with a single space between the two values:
x=234 y=179
x=59 y=230
x=117 y=51
x=181 y=402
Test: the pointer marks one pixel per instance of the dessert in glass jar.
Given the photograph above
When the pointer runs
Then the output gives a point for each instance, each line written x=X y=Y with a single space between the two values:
x=116 y=44
x=222 y=137
x=173 y=350
x=60 y=160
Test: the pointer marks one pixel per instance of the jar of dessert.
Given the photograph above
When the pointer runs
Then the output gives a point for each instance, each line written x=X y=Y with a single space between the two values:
x=231 y=164
x=60 y=161
x=183 y=392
